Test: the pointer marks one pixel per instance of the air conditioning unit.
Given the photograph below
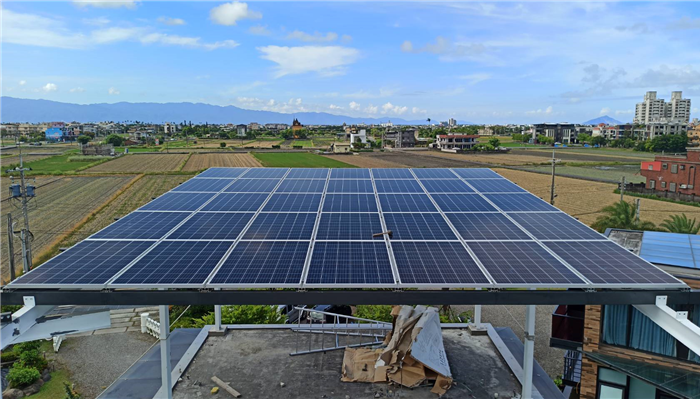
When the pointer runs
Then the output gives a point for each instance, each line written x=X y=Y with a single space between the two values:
x=684 y=186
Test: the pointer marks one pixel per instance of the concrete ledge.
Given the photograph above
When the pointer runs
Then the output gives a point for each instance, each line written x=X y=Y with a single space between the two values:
x=213 y=332
x=477 y=330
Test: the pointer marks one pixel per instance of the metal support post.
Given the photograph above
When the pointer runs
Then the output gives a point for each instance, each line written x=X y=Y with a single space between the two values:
x=166 y=376
x=529 y=358
x=477 y=316
x=10 y=246
x=622 y=188
x=217 y=317
x=554 y=167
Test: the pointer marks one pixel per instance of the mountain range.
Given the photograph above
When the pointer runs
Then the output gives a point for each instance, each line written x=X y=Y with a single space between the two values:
x=603 y=119
x=34 y=111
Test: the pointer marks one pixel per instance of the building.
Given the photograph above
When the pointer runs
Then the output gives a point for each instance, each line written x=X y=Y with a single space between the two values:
x=241 y=130
x=653 y=109
x=452 y=122
x=58 y=134
x=673 y=173
x=617 y=351
x=254 y=126
x=456 y=141
x=694 y=132
x=360 y=136
x=340 y=148
x=400 y=138
x=561 y=132
x=614 y=132
x=169 y=128
x=654 y=129
x=296 y=125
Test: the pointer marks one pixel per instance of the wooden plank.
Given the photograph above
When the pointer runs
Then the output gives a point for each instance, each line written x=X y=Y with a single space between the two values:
x=226 y=387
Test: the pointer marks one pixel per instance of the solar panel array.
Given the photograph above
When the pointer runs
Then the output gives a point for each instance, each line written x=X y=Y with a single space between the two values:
x=341 y=228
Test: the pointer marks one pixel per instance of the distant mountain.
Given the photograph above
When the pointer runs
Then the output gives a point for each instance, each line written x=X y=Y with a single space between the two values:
x=34 y=111
x=603 y=119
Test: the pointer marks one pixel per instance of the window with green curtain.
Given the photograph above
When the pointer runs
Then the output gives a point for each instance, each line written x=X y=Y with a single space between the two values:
x=615 y=320
x=648 y=336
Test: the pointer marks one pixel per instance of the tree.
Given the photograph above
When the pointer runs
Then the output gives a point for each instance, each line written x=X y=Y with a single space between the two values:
x=222 y=144
x=244 y=314
x=115 y=140
x=681 y=224
x=621 y=215
x=495 y=143
x=599 y=140
x=583 y=138
x=83 y=139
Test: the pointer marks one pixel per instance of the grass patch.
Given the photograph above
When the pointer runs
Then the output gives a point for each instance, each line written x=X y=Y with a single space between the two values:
x=120 y=150
x=517 y=145
x=301 y=143
x=653 y=197
x=298 y=160
x=54 y=388
x=62 y=164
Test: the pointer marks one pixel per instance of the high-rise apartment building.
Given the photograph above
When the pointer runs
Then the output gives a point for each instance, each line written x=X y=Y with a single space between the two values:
x=653 y=109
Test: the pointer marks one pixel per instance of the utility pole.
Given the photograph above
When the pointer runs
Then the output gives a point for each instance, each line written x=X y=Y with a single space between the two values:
x=552 y=195
x=636 y=216
x=622 y=189
x=10 y=246
x=23 y=193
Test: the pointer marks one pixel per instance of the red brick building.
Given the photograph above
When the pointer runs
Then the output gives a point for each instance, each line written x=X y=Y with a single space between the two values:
x=674 y=173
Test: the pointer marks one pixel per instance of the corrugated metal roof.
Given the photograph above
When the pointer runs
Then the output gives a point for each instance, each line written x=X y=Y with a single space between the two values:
x=671 y=249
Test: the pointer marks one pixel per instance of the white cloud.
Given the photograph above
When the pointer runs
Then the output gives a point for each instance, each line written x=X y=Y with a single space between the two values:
x=171 y=21
x=685 y=23
x=293 y=105
x=346 y=38
x=546 y=112
x=116 y=34
x=371 y=109
x=99 y=21
x=605 y=111
x=113 y=92
x=475 y=78
x=418 y=111
x=354 y=106
x=624 y=112
x=49 y=87
x=334 y=107
x=230 y=13
x=175 y=40
x=325 y=60
x=407 y=47
x=315 y=37
x=77 y=90
x=22 y=82
x=390 y=108
x=696 y=109
x=130 y=4
x=259 y=30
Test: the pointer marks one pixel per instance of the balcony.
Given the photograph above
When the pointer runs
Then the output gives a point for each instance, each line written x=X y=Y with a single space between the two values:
x=567 y=327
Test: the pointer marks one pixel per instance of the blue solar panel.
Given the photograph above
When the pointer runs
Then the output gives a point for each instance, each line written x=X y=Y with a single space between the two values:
x=436 y=263
x=476 y=173
x=178 y=202
x=520 y=203
x=446 y=186
x=398 y=186
x=236 y=202
x=307 y=173
x=350 y=186
x=522 y=263
x=142 y=225
x=406 y=203
x=175 y=263
x=350 y=174
x=555 y=226
x=349 y=226
x=301 y=186
x=350 y=203
x=88 y=262
x=350 y=263
x=434 y=174
x=263 y=263
x=605 y=262
x=266 y=173
x=462 y=203
x=252 y=186
x=212 y=226
x=281 y=226
x=222 y=172
x=293 y=203
x=495 y=186
x=392 y=174
x=204 y=185
x=486 y=226
x=418 y=226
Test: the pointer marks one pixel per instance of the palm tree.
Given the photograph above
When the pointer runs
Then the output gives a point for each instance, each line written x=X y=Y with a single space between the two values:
x=621 y=215
x=680 y=224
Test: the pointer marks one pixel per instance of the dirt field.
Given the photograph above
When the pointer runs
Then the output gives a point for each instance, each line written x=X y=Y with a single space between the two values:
x=584 y=199
x=580 y=155
x=140 y=163
x=363 y=161
x=509 y=159
x=204 y=161
x=55 y=212
x=261 y=143
x=14 y=160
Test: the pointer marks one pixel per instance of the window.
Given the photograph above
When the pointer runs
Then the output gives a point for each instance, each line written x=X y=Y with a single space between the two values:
x=672 y=187
x=674 y=168
x=652 y=184
x=663 y=184
x=682 y=167
x=664 y=166
x=611 y=384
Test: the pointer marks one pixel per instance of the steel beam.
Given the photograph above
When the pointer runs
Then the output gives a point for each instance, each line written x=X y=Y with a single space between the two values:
x=166 y=388
x=529 y=352
x=674 y=323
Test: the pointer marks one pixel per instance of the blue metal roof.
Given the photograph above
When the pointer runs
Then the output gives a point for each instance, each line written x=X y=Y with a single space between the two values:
x=671 y=249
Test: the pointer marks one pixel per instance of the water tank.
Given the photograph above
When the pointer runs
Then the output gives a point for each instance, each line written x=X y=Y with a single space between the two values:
x=30 y=191
x=15 y=191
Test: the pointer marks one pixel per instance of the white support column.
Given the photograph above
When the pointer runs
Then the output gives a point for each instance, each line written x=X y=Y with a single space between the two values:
x=166 y=376
x=217 y=317
x=529 y=355
x=674 y=323
x=477 y=316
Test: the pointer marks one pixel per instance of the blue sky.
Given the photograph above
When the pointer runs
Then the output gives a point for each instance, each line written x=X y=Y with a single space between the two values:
x=480 y=62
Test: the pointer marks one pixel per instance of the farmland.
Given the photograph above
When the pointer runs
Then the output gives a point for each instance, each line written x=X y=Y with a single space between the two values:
x=610 y=173
x=199 y=162
x=364 y=161
x=59 y=164
x=298 y=160
x=142 y=163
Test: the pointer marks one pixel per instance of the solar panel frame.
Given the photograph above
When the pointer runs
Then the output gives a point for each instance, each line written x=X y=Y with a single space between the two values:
x=250 y=202
x=448 y=203
x=406 y=203
x=475 y=173
x=203 y=185
x=266 y=173
x=349 y=203
x=252 y=186
x=491 y=186
x=529 y=203
x=299 y=202
x=446 y=186
x=308 y=173
x=392 y=174
x=171 y=201
x=219 y=173
x=486 y=227
x=433 y=173
x=339 y=173
x=349 y=226
x=212 y=226
x=281 y=226
x=301 y=186
x=350 y=186
x=419 y=227
x=555 y=226
x=403 y=186
x=141 y=226
x=347 y=253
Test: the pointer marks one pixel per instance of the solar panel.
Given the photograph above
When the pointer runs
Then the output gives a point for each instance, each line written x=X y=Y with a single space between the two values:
x=222 y=172
x=307 y=173
x=418 y=226
x=520 y=203
x=350 y=174
x=281 y=226
x=486 y=226
x=446 y=186
x=349 y=263
x=349 y=226
x=523 y=263
x=301 y=186
x=87 y=263
x=235 y=202
x=469 y=173
x=436 y=263
x=212 y=226
x=462 y=203
x=495 y=186
x=142 y=225
x=178 y=202
x=293 y=203
x=607 y=263
x=350 y=186
x=392 y=174
x=175 y=263
x=252 y=186
x=204 y=185
x=350 y=203
x=434 y=174
x=406 y=203
x=266 y=173
x=555 y=226
x=398 y=186
x=263 y=263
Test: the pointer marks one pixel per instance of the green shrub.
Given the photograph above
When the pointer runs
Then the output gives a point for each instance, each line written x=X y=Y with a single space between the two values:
x=27 y=346
x=22 y=376
x=222 y=145
x=86 y=158
x=6 y=357
x=32 y=358
x=374 y=312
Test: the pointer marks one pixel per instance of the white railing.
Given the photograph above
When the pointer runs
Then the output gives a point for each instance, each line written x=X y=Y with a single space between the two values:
x=57 y=340
x=149 y=326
